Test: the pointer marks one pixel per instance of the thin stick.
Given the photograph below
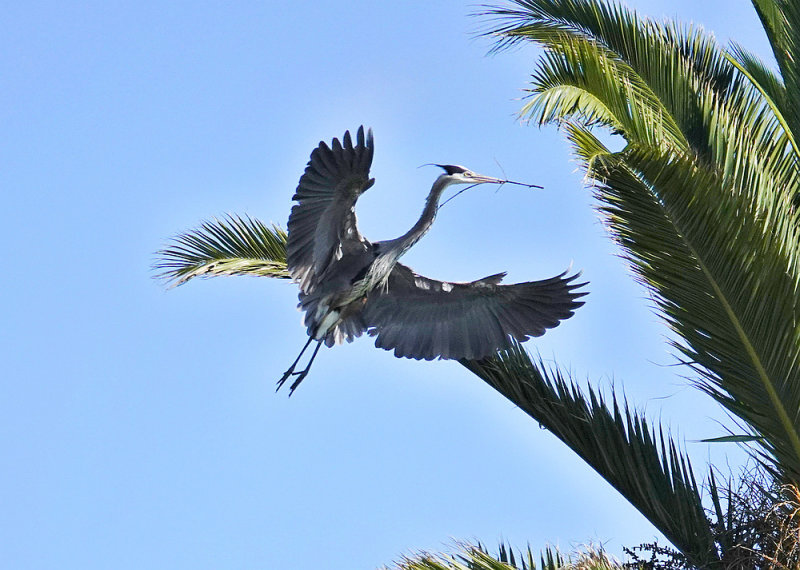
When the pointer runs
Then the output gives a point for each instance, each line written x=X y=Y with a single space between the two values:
x=503 y=170
x=501 y=183
x=456 y=194
x=523 y=184
x=507 y=181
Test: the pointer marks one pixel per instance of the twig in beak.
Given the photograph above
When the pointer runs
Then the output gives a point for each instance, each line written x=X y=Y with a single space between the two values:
x=456 y=194
x=523 y=184
x=499 y=182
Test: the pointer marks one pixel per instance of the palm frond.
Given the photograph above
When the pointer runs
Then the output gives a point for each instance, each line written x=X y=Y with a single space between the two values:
x=654 y=83
x=771 y=15
x=477 y=557
x=581 y=77
x=710 y=227
x=712 y=258
x=768 y=84
x=643 y=464
x=664 y=58
x=781 y=20
x=235 y=245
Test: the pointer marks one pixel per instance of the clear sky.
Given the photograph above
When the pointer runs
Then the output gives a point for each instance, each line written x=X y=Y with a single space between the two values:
x=139 y=428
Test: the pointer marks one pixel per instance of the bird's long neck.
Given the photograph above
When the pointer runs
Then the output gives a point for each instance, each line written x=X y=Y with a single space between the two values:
x=402 y=244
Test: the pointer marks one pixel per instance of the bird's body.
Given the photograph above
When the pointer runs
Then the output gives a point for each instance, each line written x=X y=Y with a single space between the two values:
x=349 y=285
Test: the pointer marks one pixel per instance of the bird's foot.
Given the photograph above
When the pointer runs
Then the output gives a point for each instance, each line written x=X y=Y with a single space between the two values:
x=286 y=376
x=300 y=377
x=303 y=373
x=289 y=373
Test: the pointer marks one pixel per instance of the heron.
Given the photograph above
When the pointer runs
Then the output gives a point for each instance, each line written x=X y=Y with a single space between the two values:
x=349 y=285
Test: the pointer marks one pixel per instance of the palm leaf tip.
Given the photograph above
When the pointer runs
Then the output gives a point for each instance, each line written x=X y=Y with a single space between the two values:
x=233 y=245
x=606 y=433
x=474 y=556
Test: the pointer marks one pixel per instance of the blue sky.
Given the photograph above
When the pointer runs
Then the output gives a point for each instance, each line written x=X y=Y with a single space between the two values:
x=139 y=427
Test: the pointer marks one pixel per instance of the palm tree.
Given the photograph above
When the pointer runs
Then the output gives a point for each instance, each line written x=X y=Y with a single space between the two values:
x=701 y=200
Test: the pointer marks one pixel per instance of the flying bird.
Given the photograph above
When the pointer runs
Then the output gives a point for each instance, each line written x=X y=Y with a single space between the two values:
x=349 y=285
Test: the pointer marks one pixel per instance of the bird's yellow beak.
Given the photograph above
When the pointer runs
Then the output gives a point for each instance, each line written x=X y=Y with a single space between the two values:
x=483 y=179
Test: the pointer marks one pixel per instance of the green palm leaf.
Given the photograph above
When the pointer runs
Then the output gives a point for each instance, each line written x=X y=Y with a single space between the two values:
x=476 y=557
x=712 y=263
x=709 y=226
x=646 y=49
x=768 y=84
x=582 y=77
x=643 y=464
x=781 y=20
x=235 y=245
x=658 y=82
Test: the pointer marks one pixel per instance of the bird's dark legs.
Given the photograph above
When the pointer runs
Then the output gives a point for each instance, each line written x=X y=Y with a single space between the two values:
x=303 y=373
x=291 y=368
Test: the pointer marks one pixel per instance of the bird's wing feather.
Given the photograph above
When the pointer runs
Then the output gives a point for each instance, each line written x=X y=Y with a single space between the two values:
x=322 y=225
x=423 y=318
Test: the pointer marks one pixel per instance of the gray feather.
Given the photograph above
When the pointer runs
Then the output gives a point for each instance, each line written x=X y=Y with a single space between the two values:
x=322 y=225
x=423 y=318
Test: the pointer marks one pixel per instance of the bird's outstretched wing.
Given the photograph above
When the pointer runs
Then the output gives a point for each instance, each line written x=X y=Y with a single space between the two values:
x=322 y=225
x=422 y=318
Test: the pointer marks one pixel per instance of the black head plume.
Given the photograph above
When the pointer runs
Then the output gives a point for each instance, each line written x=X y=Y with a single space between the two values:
x=452 y=168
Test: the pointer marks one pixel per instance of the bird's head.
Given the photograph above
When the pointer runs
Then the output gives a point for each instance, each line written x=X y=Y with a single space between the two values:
x=461 y=175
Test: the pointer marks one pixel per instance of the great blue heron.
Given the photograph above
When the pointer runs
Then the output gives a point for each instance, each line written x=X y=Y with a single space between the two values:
x=349 y=285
